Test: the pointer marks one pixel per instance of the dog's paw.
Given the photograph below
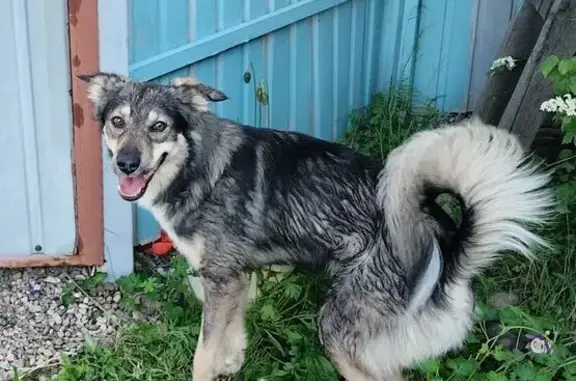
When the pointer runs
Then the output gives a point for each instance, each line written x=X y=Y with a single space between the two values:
x=232 y=362
x=203 y=377
x=231 y=354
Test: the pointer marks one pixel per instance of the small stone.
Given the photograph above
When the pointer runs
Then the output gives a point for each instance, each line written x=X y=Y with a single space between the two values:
x=52 y=280
x=57 y=319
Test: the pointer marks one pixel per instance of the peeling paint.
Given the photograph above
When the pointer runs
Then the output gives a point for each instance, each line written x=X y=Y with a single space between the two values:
x=73 y=9
x=78 y=115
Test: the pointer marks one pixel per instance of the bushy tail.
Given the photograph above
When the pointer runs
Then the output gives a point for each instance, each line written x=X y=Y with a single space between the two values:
x=502 y=190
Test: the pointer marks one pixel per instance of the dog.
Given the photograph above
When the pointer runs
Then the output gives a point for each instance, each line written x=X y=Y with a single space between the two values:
x=235 y=198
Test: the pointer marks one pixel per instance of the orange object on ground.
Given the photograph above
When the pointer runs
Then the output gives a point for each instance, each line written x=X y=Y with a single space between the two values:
x=161 y=246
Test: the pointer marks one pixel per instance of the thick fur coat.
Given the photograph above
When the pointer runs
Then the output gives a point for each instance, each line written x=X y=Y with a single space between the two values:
x=235 y=198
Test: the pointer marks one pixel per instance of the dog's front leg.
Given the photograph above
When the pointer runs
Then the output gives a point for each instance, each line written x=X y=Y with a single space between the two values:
x=222 y=313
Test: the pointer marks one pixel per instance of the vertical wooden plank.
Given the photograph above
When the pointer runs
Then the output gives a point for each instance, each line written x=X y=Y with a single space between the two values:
x=357 y=67
x=323 y=45
x=372 y=34
x=279 y=78
x=174 y=23
x=230 y=63
x=144 y=43
x=392 y=24
x=519 y=41
x=174 y=28
x=144 y=29
x=254 y=59
x=206 y=23
x=430 y=44
x=492 y=24
x=302 y=79
x=454 y=74
x=83 y=24
x=119 y=232
x=343 y=45
x=16 y=221
x=49 y=64
x=522 y=115
x=409 y=39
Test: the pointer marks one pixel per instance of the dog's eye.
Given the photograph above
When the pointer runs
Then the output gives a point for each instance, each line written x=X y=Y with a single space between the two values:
x=158 y=126
x=117 y=122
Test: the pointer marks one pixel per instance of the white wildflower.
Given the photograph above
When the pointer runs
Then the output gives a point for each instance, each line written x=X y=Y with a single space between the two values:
x=541 y=345
x=501 y=63
x=564 y=105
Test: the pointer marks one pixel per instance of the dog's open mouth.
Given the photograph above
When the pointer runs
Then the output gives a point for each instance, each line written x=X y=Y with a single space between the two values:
x=133 y=187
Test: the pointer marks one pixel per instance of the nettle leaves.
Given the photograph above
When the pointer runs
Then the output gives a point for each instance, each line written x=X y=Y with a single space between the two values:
x=104 y=87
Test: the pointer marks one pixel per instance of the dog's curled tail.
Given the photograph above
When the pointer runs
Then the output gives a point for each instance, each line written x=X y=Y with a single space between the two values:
x=503 y=192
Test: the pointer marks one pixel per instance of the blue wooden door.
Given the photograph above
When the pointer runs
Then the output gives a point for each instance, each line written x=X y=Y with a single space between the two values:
x=36 y=185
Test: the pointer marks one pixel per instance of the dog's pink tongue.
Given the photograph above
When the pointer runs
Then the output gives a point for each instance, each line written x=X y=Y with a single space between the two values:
x=131 y=186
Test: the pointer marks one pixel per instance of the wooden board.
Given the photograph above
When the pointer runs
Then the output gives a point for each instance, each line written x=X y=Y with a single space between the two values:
x=522 y=115
x=518 y=43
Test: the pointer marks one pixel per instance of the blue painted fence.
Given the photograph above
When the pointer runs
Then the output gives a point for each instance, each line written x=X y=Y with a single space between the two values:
x=316 y=59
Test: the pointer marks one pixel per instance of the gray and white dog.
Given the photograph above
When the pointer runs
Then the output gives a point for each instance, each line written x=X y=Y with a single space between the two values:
x=235 y=198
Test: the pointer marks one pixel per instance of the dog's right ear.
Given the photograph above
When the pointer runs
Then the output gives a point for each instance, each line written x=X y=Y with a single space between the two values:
x=100 y=85
x=196 y=94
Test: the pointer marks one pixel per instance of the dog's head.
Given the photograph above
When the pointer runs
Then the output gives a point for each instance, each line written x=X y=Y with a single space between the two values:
x=145 y=125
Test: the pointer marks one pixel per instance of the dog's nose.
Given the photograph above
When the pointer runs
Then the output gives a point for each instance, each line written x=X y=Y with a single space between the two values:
x=128 y=162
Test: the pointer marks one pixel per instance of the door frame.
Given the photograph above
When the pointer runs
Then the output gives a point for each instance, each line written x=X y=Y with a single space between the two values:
x=87 y=148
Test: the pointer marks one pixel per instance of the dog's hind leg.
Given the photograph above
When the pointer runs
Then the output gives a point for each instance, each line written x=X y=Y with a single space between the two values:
x=221 y=316
x=350 y=372
x=345 y=337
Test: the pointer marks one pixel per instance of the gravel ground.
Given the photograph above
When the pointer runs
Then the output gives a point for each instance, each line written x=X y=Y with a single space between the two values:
x=36 y=327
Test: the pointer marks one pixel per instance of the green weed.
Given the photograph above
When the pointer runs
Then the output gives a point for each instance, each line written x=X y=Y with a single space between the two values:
x=387 y=121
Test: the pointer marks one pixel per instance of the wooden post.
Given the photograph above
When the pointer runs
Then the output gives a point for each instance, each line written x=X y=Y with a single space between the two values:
x=542 y=6
x=518 y=43
x=522 y=115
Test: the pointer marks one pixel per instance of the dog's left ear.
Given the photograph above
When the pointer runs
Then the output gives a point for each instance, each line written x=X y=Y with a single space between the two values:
x=100 y=85
x=196 y=94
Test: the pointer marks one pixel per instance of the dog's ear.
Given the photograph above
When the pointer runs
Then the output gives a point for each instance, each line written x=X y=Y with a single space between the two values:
x=196 y=94
x=100 y=85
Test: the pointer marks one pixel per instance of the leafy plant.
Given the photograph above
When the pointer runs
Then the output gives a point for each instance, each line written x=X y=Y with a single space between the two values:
x=387 y=121
x=501 y=356
x=562 y=74
x=261 y=95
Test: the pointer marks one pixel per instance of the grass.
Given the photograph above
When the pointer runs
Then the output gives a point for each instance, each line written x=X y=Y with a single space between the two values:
x=283 y=341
